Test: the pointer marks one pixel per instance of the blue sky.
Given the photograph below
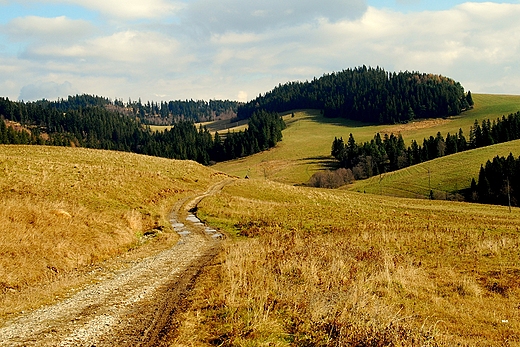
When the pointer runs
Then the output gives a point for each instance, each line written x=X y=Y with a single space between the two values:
x=232 y=49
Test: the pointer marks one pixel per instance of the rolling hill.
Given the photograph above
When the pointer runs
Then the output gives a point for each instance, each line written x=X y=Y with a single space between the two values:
x=64 y=209
x=302 y=266
x=307 y=141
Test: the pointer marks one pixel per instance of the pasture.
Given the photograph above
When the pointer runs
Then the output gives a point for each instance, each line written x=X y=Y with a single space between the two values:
x=65 y=210
x=308 y=138
x=330 y=267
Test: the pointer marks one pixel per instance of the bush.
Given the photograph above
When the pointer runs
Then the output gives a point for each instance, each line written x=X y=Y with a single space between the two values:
x=331 y=179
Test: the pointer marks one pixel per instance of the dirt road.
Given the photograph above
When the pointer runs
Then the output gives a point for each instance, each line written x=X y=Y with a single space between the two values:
x=133 y=307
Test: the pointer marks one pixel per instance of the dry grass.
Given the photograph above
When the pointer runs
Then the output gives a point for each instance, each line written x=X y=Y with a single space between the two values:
x=63 y=210
x=332 y=268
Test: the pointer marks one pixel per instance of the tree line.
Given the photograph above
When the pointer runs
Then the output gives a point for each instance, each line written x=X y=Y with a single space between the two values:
x=150 y=112
x=388 y=152
x=87 y=125
x=498 y=182
x=369 y=95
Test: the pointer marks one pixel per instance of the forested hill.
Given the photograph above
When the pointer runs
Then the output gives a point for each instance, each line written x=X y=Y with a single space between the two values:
x=87 y=122
x=152 y=113
x=368 y=94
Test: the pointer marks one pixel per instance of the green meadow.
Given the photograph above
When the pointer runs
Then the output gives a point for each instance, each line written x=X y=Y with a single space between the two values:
x=307 y=141
x=444 y=175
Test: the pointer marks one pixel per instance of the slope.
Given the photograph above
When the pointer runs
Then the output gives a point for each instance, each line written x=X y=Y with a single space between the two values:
x=307 y=141
x=319 y=267
x=444 y=175
x=65 y=210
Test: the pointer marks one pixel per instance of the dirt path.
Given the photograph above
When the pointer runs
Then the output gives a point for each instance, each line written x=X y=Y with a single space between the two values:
x=133 y=307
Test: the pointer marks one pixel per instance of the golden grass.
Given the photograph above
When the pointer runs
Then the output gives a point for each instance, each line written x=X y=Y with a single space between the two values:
x=335 y=268
x=65 y=209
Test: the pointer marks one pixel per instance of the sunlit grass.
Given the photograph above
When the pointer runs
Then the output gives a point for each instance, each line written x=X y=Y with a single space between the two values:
x=307 y=141
x=63 y=209
x=444 y=176
x=336 y=268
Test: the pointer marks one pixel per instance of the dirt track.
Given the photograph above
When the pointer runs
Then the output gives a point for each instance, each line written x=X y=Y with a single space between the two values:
x=134 y=307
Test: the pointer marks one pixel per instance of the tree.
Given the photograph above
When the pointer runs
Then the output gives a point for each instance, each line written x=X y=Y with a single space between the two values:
x=469 y=99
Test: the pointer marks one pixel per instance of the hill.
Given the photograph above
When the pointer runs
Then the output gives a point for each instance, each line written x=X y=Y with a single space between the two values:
x=307 y=141
x=445 y=176
x=66 y=209
x=368 y=94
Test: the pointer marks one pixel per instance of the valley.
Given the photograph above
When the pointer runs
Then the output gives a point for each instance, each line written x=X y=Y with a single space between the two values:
x=374 y=263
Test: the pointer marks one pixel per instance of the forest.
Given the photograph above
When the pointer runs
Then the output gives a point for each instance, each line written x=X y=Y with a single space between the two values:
x=368 y=94
x=86 y=122
x=498 y=182
x=152 y=113
x=388 y=152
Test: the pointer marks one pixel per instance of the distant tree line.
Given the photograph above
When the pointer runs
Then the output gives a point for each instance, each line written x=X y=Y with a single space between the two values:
x=150 y=112
x=369 y=95
x=498 y=182
x=389 y=153
x=170 y=112
x=86 y=125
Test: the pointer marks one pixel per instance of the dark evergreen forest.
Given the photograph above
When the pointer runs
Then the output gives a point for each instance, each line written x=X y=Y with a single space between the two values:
x=388 y=152
x=498 y=182
x=152 y=113
x=369 y=95
x=86 y=122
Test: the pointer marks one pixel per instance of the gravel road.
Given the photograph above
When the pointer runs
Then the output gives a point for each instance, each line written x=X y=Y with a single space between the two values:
x=133 y=307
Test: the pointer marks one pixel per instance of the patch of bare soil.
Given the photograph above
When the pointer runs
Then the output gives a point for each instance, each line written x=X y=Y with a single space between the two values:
x=132 y=307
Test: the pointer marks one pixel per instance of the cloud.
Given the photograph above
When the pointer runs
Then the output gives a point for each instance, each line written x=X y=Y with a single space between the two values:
x=220 y=16
x=126 y=50
x=57 y=29
x=242 y=96
x=46 y=90
x=132 y=9
x=121 y=9
x=251 y=48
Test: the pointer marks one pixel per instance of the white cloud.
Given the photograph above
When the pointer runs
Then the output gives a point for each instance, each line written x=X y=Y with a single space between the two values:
x=250 y=47
x=133 y=47
x=122 y=9
x=132 y=8
x=219 y=16
x=242 y=96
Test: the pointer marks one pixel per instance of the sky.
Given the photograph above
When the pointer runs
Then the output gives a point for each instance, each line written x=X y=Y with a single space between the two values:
x=237 y=49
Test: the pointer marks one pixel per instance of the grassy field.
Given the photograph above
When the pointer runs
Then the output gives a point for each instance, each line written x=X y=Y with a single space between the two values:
x=65 y=209
x=337 y=268
x=222 y=126
x=444 y=175
x=307 y=140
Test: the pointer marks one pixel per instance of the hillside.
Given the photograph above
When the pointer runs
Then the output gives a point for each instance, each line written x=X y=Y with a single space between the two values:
x=324 y=267
x=307 y=141
x=368 y=94
x=66 y=209
x=445 y=176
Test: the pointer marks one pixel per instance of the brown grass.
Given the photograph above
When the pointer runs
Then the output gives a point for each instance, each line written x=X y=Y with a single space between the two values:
x=331 y=268
x=64 y=210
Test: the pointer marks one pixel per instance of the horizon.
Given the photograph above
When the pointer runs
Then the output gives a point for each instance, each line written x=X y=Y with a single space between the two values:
x=229 y=50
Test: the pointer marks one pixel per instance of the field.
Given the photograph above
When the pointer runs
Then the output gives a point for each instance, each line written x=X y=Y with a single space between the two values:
x=301 y=266
x=307 y=140
x=64 y=210
x=338 y=268
x=222 y=126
